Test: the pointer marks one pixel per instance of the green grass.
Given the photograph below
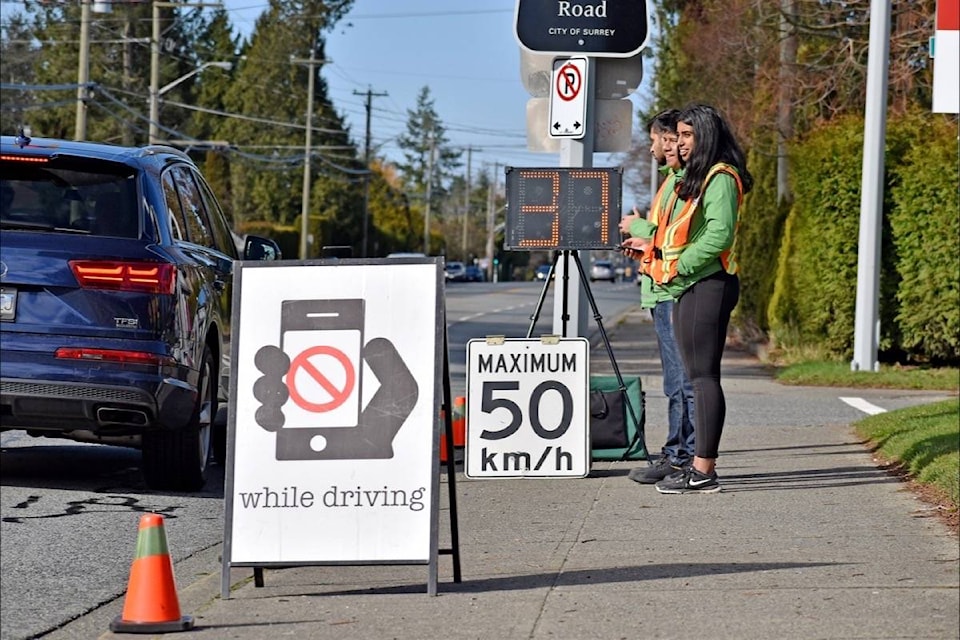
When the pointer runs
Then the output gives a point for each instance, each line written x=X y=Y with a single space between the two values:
x=925 y=440
x=837 y=374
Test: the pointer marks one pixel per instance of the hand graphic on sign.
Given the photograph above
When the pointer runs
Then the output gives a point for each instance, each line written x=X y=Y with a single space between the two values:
x=379 y=422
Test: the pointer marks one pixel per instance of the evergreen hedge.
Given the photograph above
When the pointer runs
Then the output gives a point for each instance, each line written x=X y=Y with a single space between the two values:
x=925 y=221
x=814 y=297
x=760 y=230
x=813 y=302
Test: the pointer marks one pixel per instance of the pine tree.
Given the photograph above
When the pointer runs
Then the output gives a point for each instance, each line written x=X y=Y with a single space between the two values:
x=426 y=150
x=270 y=90
x=16 y=67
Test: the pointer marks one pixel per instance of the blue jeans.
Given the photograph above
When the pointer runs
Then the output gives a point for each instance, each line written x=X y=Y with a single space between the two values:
x=676 y=387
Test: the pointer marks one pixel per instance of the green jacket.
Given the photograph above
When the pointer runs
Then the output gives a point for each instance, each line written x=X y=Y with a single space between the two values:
x=650 y=293
x=711 y=233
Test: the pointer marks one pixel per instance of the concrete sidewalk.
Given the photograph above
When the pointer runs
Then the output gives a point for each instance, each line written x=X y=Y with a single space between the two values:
x=809 y=539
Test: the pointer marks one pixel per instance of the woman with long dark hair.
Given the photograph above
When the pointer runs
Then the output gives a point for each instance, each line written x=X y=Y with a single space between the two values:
x=693 y=258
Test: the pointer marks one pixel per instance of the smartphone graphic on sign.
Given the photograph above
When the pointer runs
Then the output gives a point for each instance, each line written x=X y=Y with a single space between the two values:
x=323 y=339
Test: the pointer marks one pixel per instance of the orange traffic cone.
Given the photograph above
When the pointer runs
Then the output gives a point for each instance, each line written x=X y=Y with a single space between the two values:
x=151 y=604
x=459 y=421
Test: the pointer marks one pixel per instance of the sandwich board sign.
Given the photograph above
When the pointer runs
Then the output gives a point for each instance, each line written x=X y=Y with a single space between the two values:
x=333 y=434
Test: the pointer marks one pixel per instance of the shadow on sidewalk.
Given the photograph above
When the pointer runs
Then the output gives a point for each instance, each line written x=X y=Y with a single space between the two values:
x=805 y=479
x=576 y=577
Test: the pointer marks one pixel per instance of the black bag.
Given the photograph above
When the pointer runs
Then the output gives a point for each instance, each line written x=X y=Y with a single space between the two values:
x=608 y=420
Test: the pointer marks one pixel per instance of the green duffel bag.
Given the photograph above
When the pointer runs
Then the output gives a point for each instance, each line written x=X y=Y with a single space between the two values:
x=617 y=419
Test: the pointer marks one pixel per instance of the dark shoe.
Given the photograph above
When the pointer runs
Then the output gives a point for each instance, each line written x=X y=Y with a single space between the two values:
x=653 y=473
x=690 y=481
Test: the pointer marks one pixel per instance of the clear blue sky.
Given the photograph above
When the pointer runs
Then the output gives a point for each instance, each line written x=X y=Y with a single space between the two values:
x=466 y=52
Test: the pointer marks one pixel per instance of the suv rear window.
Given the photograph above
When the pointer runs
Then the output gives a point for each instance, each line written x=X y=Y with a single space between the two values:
x=67 y=195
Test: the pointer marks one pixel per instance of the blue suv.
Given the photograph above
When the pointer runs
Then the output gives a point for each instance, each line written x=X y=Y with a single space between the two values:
x=115 y=290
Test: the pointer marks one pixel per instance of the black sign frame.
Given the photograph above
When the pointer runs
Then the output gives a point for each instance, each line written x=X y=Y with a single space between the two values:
x=599 y=28
x=563 y=208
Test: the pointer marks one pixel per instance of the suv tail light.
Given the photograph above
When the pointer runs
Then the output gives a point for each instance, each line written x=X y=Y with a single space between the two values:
x=114 y=355
x=34 y=159
x=149 y=277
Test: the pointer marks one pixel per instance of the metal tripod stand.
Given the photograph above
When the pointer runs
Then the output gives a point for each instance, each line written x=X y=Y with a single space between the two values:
x=565 y=318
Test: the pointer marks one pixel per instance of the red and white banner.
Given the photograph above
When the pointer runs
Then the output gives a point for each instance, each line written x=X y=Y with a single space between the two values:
x=946 y=61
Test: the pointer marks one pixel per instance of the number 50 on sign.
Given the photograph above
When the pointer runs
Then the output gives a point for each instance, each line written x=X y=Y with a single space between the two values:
x=527 y=408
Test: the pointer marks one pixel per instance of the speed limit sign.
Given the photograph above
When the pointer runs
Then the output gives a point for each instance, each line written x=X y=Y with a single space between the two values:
x=527 y=408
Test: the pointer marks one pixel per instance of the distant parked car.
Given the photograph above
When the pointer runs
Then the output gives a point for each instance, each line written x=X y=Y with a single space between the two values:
x=542 y=272
x=602 y=270
x=115 y=293
x=455 y=271
x=473 y=273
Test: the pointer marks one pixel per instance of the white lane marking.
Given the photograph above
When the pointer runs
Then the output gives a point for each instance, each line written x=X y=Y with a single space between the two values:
x=863 y=405
x=484 y=313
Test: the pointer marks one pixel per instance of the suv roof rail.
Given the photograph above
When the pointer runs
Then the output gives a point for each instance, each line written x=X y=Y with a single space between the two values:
x=151 y=149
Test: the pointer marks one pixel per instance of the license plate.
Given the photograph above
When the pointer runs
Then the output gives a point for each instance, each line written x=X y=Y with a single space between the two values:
x=8 y=303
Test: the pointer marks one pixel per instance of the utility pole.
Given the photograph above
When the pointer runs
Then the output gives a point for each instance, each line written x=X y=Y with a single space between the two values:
x=154 y=129
x=466 y=206
x=366 y=161
x=426 y=209
x=312 y=62
x=491 y=208
x=83 y=73
x=128 y=132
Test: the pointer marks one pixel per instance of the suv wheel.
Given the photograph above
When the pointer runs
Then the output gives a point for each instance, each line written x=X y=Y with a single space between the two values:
x=178 y=460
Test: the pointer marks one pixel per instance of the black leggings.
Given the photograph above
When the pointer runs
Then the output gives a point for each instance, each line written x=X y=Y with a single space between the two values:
x=700 y=320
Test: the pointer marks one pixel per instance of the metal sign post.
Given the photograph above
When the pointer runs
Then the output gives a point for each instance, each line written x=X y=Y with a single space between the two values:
x=596 y=29
x=569 y=303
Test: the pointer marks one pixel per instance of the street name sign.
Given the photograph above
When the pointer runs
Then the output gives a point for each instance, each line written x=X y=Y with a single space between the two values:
x=599 y=28
x=527 y=409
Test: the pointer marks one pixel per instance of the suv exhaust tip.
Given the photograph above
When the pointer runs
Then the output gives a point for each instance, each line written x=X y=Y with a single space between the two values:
x=108 y=415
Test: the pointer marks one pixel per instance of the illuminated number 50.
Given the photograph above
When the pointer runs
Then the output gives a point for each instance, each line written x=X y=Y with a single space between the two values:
x=489 y=404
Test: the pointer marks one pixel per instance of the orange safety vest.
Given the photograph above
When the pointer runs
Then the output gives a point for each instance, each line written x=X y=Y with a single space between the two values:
x=673 y=237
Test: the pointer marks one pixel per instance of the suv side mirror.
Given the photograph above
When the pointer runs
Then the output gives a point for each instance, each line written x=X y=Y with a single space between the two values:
x=257 y=248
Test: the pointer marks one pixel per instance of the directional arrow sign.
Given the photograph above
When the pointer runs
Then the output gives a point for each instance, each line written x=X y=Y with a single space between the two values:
x=568 y=98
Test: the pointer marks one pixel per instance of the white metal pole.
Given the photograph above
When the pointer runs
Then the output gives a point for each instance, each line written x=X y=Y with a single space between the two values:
x=866 y=325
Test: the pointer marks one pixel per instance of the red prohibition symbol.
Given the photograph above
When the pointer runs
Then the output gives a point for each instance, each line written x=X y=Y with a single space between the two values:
x=337 y=396
x=569 y=82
